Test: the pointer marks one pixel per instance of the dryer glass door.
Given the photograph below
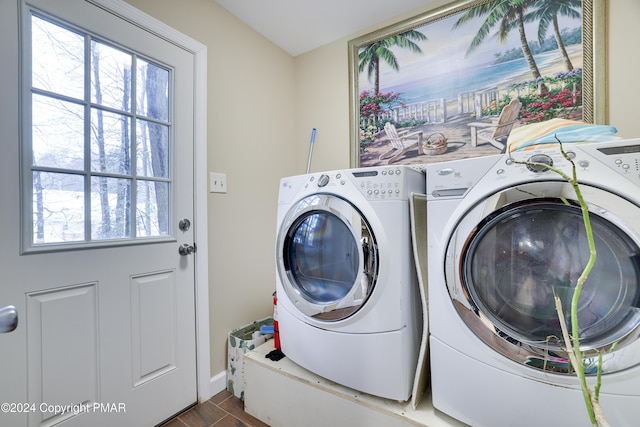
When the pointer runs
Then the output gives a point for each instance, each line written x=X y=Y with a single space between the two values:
x=523 y=253
x=329 y=257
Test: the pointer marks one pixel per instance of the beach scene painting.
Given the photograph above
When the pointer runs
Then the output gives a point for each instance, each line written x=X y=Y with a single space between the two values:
x=454 y=83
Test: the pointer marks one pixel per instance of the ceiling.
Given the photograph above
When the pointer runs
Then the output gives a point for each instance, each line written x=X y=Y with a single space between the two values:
x=298 y=26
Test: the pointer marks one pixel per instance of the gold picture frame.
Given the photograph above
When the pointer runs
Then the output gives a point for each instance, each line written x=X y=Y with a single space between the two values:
x=398 y=38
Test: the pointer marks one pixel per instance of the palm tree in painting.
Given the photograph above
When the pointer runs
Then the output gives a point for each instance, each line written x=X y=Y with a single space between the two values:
x=369 y=57
x=547 y=13
x=506 y=15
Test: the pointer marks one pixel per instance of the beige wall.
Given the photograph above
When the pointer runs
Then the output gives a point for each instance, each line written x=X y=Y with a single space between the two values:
x=623 y=25
x=262 y=105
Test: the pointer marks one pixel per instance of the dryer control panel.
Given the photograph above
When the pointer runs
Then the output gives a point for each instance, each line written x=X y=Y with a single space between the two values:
x=379 y=183
x=386 y=183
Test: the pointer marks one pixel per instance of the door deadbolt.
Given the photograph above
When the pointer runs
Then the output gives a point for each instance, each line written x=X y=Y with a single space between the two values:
x=184 y=224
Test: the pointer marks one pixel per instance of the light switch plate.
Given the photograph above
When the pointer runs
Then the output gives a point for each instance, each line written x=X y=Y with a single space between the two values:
x=217 y=182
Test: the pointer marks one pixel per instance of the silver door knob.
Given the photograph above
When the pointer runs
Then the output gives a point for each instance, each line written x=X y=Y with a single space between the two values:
x=8 y=319
x=186 y=249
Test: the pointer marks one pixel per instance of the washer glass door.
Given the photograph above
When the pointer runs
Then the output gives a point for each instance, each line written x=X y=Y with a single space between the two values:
x=524 y=252
x=327 y=257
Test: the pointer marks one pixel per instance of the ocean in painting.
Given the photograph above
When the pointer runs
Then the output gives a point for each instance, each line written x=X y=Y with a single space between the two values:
x=452 y=82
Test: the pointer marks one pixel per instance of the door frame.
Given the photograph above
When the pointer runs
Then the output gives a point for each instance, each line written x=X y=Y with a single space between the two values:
x=199 y=51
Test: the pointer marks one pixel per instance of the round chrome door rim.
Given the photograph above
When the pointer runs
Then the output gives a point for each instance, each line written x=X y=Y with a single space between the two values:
x=365 y=280
x=540 y=354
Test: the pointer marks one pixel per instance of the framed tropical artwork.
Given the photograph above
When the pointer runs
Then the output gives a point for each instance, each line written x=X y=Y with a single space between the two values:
x=453 y=82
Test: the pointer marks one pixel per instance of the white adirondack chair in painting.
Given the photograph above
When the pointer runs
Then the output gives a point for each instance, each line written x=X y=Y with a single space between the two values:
x=496 y=133
x=401 y=142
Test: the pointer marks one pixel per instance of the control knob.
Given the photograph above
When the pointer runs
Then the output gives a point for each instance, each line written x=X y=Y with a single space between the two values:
x=323 y=180
x=544 y=160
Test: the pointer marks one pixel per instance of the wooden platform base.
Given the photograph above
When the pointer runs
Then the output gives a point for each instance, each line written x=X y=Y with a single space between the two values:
x=282 y=394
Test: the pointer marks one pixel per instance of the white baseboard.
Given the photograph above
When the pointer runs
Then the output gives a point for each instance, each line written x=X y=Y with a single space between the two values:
x=218 y=382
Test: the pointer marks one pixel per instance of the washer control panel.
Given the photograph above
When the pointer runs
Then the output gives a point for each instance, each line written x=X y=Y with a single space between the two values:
x=595 y=163
x=620 y=156
x=599 y=163
x=623 y=158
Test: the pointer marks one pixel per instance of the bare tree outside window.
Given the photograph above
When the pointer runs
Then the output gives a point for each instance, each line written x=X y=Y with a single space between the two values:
x=100 y=165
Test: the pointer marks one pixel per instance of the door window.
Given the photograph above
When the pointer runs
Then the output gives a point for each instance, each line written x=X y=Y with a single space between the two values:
x=97 y=150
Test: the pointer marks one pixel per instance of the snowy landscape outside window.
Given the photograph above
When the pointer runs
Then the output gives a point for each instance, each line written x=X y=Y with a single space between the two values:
x=97 y=145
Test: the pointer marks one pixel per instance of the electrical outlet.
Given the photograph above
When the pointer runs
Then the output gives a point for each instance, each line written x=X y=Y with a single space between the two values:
x=217 y=182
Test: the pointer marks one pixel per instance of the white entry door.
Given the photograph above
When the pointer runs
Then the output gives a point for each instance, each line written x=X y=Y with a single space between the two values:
x=96 y=184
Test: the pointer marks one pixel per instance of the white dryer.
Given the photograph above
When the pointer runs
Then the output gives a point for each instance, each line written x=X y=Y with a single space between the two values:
x=502 y=238
x=349 y=306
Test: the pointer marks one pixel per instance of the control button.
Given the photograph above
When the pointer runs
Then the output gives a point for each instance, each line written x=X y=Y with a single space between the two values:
x=445 y=171
x=584 y=163
x=398 y=172
x=500 y=171
x=625 y=166
x=618 y=161
x=338 y=176
x=571 y=155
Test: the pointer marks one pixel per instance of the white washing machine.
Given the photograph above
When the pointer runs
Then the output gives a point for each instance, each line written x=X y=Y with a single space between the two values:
x=349 y=306
x=502 y=238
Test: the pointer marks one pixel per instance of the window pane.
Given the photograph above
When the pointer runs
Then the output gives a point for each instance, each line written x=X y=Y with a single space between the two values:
x=90 y=102
x=58 y=207
x=152 y=213
x=57 y=59
x=110 y=77
x=153 y=91
x=57 y=133
x=110 y=142
x=153 y=149
x=110 y=207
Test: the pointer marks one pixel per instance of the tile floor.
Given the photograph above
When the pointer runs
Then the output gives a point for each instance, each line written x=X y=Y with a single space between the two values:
x=222 y=410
